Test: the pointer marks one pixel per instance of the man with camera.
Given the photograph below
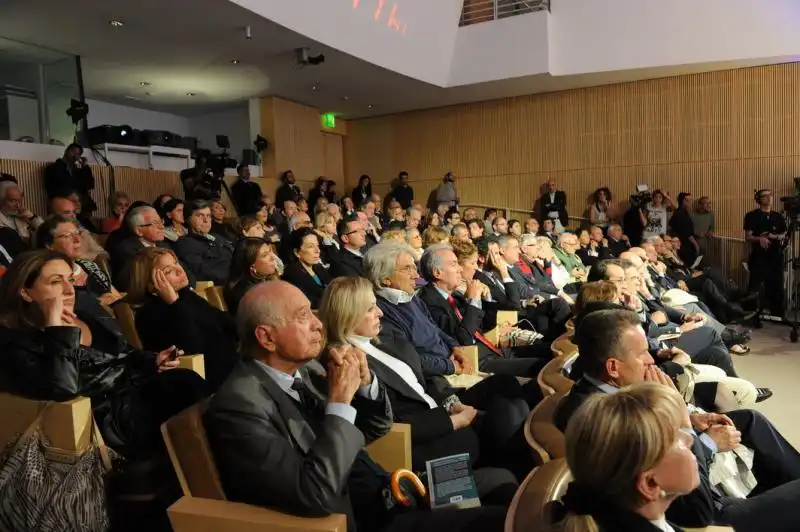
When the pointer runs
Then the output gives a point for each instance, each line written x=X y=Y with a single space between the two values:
x=71 y=173
x=200 y=182
x=765 y=229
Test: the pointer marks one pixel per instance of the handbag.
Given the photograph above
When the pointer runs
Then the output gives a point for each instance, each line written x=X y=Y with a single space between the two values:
x=44 y=489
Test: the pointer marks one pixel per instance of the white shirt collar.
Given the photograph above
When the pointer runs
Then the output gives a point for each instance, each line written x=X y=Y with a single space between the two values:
x=394 y=296
x=355 y=252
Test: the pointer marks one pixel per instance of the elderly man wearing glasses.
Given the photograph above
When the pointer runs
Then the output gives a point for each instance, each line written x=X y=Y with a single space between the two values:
x=148 y=231
x=207 y=256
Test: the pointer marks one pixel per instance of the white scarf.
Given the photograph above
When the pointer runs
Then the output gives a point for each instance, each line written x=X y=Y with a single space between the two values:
x=400 y=368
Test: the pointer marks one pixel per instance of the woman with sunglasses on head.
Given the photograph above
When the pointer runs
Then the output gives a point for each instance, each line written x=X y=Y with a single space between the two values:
x=254 y=261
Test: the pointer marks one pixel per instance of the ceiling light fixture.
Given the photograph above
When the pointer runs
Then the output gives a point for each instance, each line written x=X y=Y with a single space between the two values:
x=370 y=107
x=191 y=94
x=345 y=98
x=315 y=87
x=116 y=23
x=144 y=83
x=235 y=61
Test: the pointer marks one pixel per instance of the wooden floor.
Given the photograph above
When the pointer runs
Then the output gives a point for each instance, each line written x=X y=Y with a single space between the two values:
x=774 y=362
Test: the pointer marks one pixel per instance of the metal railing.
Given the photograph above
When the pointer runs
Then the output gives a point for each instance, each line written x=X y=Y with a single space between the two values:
x=475 y=11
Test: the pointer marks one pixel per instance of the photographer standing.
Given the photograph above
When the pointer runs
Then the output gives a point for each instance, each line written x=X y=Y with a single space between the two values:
x=199 y=182
x=69 y=174
x=635 y=220
x=765 y=229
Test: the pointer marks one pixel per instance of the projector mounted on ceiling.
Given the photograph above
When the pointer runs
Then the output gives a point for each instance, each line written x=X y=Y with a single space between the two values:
x=303 y=57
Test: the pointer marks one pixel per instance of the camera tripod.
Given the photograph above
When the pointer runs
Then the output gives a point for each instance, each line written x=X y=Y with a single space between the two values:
x=791 y=282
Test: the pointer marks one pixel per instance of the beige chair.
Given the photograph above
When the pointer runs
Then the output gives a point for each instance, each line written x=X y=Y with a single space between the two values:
x=200 y=288
x=531 y=507
x=551 y=379
x=543 y=437
x=215 y=298
x=204 y=507
x=504 y=317
x=67 y=425
x=127 y=322
x=563 y=346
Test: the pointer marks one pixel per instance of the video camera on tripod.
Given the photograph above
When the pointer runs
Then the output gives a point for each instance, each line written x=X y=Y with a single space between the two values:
x=791 y=204
x=207 y=178
x=642 y=197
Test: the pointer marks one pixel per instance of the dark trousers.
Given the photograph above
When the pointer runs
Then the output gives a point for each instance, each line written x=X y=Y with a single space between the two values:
x=771 y=511
x=500 y=426
x=483 y=519
x=711 y=295
x=549 y=318
x=705 y=346
x=767 y=270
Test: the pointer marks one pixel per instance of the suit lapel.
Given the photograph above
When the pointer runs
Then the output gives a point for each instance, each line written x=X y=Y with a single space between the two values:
x=289 y=414
x=392 y=379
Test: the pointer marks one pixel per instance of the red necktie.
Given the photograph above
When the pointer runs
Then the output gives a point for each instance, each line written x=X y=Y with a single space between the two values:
x=478 y=336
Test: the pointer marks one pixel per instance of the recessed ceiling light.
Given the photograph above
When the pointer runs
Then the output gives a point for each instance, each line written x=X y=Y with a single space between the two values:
x=116 y=23
x=235 y=61
x=370 y=107
x=148 y=93
x=191 y=94
x=315 y=87
x=345 y=98
x=144 y=83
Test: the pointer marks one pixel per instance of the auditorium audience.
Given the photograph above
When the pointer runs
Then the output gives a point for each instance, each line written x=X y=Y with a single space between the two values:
x=207 y=256
x=601 y=211
x=304 y=270
x=146 y=230
x=434 y=235
x=614 y=353
x=71 y=173
x=704 y=223
x=433 y=220
x=325 y=227
x=476 y=229
x=246 y=195
x=682 y=226
x=314 y=464
x=656 y=214
x=62 y=235
x=515 y=228
x=288 y=191
x=499 y=226
x=403 y=192
x=414 y=239
x=616 y=242
x=120 y=202
x=565 y=251
x=548 y=230
x=55 y=350
x=630 y=457
x=446 y=192
x=254 y=262
x=362 y=191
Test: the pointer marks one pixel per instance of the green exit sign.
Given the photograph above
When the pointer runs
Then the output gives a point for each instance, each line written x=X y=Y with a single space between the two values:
x=328 y=120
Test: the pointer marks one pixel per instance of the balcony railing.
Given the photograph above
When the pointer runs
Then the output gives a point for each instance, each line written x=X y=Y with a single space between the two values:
x=476 y=11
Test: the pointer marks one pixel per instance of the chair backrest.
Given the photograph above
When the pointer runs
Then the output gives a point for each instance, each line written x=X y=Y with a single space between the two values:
x=127 y=322
x=190 y=454
x=531 y=508
x=541 y=433
x=563 y=346
x=215 y=298
x=200 y=288
x=551 y=379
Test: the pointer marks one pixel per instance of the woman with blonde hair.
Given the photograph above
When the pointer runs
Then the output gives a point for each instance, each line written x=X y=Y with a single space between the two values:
x=325 y=226
x=630 y=455
x=434 y=235
x=441 y=425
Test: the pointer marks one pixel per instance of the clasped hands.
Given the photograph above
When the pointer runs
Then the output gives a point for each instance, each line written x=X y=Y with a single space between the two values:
x=348 y=371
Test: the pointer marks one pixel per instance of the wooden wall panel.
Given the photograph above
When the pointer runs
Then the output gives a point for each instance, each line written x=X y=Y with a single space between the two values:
x=333 y=152
x=721 y=134
x=299 y=144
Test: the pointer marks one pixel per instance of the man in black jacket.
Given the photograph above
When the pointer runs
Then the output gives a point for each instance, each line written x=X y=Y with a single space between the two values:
x=208 y=257
x=288 y=191
x=348 y=261
x=281 y=443
x=147 y=230
x=71 y=173
x=553 y=205
x=403 y=192
x=614 y=353
x=461 y=315
x=246 y=194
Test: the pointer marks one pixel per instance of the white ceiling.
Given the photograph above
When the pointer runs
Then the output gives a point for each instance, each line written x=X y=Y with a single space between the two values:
x=186 y=46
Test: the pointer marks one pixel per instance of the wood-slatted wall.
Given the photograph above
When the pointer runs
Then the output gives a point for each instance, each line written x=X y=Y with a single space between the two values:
x=721 y=134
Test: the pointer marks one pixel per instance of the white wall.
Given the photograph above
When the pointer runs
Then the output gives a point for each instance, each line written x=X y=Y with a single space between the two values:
x=422 y=49
x=507 y=48
x=104 y=113
x=235 y=123
x=595 y=36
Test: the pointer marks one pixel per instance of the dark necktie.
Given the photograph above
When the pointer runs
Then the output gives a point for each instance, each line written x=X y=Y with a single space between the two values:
x=478 y=335
x=308 y=399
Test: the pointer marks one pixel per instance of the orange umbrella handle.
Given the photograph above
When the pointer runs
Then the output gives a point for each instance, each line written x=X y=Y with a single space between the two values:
x=394 y=484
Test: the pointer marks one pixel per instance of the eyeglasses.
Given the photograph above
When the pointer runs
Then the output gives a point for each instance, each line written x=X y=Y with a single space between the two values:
x=409 y=270
x=202 y=216
x=360 y=230
x=72 y=234
x=157 y=223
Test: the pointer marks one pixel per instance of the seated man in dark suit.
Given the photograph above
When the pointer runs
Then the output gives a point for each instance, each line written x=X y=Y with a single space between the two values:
x=547 y=307
x=616 y=242
x=279 y=443
x=461 y=315
x=147 y=230
x=207 y=257
x=348 y=261
x=614 y=353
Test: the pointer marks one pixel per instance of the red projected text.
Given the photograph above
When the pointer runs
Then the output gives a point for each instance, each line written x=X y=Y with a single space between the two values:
x=382 y=13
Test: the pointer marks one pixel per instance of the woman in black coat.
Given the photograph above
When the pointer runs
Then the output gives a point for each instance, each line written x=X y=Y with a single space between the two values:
x=172 y=314
x=54 y=349
x=254 y=261
x=304 y=269
x=363 y=191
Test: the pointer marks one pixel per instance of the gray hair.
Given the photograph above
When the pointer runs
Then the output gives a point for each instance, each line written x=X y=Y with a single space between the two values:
x=380 y=262
x=614 y=225
x=5 y=186
x=136 y=215
x=528 y=239
x=295 y=219
x=255 y=311
x=503 y=240
x=432 y=260
x=652 y=239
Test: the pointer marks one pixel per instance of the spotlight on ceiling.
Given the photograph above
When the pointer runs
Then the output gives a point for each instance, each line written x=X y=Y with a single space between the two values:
x=191 y=94
x=78 y=110
x=144 y=83
x=235 y=61
x=116 y=23
x=370 y=107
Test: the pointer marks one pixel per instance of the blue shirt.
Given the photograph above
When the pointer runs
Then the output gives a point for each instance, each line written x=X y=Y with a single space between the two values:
x=344 y=411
